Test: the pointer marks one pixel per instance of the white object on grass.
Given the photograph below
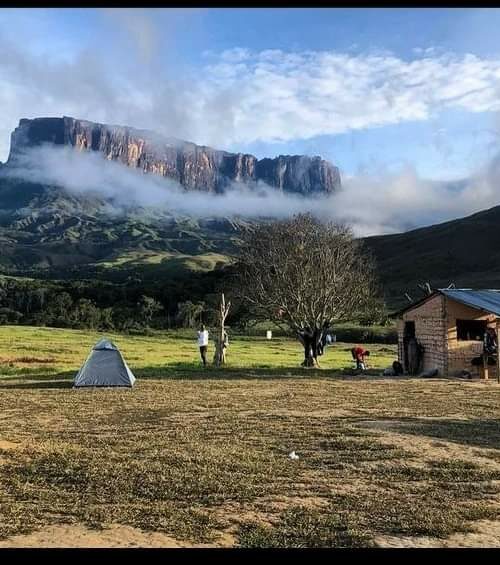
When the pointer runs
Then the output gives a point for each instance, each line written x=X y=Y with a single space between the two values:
x=293 y=455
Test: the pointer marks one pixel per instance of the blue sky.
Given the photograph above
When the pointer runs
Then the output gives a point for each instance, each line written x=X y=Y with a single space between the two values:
x=376 y=91
x=447 y=145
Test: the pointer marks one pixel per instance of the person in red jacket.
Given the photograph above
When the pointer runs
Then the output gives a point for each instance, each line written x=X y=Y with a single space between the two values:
x=359 y=354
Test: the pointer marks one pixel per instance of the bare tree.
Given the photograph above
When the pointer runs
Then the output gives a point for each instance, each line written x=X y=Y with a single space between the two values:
x=220 y=338
x=305 y=275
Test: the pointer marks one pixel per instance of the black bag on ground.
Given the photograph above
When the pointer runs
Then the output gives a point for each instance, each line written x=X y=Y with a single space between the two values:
x=397 y=368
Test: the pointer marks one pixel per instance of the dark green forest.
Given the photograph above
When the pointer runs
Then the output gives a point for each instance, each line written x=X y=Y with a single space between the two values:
x=133 y=304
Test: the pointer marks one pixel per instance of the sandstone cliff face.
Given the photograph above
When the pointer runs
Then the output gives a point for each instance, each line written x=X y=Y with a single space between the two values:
x=194 y=167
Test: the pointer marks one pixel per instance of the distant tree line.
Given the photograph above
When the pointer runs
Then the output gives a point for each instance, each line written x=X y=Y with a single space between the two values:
x=128 y=306
x=97 y=304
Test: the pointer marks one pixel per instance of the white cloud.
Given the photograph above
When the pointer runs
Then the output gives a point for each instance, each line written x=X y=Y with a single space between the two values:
x=142 y=27
x=91 y=175
x=240 y=96
x=371 y=204
x=396 y=202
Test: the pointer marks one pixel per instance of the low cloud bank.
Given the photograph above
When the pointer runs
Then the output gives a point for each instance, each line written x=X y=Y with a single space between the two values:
x=387 y=203
x=91 y=175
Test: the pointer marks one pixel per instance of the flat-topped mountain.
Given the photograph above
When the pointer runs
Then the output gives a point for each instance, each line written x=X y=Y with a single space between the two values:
x=43 y=224
x=195 y=167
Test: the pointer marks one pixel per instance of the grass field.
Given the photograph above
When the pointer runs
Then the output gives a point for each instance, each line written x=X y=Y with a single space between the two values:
x=169 y=261
x=200 y=457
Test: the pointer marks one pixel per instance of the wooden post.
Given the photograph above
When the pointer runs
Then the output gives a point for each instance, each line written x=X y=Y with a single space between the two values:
x=485 y=366
x=220 y=350
x=498 y=352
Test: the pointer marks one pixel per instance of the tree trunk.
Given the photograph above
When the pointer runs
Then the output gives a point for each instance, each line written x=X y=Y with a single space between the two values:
x=311 y=342
x=309 y=359
x=220 y=354
x=220 y=349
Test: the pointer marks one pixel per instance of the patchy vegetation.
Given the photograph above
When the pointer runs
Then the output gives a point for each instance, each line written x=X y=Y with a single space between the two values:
x=202 y=455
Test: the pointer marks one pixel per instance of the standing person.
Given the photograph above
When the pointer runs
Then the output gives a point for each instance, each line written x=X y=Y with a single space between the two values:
x=359 y=354
x=203 y=343
x=490 y=345
x=415 y=354
x=326 y=339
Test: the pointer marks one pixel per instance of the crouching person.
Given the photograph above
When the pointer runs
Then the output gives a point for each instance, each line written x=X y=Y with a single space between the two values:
x=359 y=354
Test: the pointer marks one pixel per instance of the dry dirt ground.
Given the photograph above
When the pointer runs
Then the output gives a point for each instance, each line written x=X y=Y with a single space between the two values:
x=203 y=461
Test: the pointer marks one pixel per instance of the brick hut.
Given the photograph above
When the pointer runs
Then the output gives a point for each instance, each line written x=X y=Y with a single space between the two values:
x=450 y=324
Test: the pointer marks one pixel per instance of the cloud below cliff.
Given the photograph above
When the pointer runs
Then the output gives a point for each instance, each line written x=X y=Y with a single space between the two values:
x=396 y=202
x=386 y=203
x=125 y=189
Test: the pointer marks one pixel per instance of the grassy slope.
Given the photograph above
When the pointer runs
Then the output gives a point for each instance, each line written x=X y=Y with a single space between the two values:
x=464 y=251
x=164 y=262
x=197 y=454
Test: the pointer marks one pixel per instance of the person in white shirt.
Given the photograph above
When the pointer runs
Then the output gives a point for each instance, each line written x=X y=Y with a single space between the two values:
x=203 y=344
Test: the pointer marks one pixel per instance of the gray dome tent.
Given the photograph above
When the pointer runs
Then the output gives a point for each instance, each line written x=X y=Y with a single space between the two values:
x=104 y=366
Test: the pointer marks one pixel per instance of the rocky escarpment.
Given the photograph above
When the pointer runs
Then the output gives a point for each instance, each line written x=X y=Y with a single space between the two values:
x=194 y=167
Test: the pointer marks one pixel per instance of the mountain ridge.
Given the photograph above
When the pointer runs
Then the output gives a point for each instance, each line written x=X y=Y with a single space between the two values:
x=43 y=225
x=195 y=167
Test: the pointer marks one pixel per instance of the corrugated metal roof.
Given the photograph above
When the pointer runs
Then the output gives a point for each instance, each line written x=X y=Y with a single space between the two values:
x=487 y=300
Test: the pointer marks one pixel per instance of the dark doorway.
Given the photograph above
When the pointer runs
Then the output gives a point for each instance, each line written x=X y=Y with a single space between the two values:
x=408 y=335
x=409 y=329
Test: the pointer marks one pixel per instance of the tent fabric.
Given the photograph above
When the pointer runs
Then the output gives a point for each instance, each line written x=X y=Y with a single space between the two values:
x=105 y=344
x=104 y=366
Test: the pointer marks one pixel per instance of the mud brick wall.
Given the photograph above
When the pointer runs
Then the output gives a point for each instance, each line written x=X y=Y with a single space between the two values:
x=430 y=331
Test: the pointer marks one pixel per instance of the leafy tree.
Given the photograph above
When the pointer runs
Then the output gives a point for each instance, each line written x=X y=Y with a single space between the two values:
x=125 y=317
x=87 y=314
x=61 y=309
x=189 y=313
x=9 y=316
x=106 y=319
x=148 y=307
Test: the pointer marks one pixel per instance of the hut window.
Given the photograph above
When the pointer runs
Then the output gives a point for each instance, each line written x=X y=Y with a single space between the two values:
x=470 y=330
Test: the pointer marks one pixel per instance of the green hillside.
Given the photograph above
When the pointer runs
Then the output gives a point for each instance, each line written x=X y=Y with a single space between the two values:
x=464 y=251
x=46 y=232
